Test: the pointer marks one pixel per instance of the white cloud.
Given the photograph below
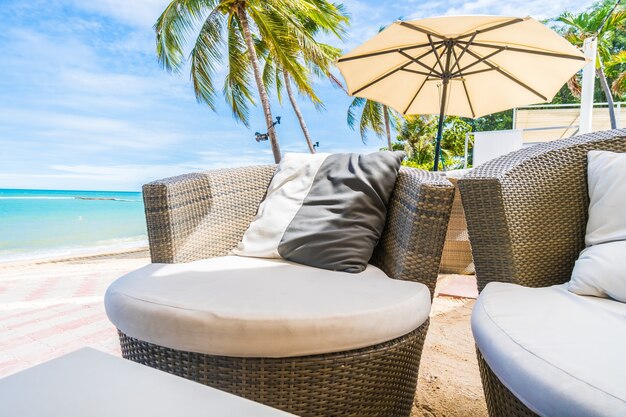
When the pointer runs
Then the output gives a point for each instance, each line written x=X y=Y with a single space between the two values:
x=539 y=9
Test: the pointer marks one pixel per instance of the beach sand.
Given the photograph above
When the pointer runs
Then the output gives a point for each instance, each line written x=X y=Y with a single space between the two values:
x=48 y=308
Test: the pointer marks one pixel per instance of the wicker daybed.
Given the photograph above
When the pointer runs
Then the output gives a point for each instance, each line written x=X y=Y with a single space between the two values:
x=541 y=349
x=202 y=216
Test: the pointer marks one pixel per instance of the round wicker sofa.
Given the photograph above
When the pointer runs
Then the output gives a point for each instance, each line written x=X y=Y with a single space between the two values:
x=526 y=215
x=202 y=216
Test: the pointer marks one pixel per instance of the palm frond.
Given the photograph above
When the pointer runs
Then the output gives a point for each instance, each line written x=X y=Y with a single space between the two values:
x=205 y=57
x=372 y=119
x=238 y=79
x=174 y=26
x=356 y=104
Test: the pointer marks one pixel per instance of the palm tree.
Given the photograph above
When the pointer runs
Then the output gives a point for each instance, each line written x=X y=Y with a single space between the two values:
x=318 y=59
x=616 y=67
x=601 y=22
x=375 y=117
x=416 y=135
x=231 y=26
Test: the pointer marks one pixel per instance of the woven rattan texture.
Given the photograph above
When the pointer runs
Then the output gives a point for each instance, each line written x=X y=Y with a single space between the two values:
x=457 y=251
x=500 y=401
x=202 y=215
x=527 y=211
x=417 y=219
x=375 y=381
x=205 y=215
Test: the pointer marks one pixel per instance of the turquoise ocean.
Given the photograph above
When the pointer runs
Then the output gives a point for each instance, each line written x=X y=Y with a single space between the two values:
x=37 y=224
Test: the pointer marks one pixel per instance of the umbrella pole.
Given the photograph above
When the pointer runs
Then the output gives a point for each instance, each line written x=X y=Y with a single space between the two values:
x=440 y=126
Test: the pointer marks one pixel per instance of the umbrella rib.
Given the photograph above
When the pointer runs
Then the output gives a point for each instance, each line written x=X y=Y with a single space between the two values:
x=509 y=76
x=415 y=96
x=469 y=100
x=478 y=61
x=427 y=74
x=387 y=51
x=465 y=74
x=527 y=51
x=416 y=61
x=494 y=27
x=432 y=46
x=467 y=45
x=401 y=67
x=422 y=30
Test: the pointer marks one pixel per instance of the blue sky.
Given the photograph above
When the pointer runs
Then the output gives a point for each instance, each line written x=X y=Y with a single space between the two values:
x=85 y=105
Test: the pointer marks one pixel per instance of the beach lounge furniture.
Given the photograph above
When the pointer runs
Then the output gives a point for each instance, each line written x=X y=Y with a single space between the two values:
x=457 y=251
x=309 y=341
x=541 y=348
x=91 y=383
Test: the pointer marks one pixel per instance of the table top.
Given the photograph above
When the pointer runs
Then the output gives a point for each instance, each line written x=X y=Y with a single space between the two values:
x=91 y=383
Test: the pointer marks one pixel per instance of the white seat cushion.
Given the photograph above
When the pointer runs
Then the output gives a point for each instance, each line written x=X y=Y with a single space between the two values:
x=253 y=307
x=560 y=353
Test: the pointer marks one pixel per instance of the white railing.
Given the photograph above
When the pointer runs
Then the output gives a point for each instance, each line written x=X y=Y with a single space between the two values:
x=573 y=128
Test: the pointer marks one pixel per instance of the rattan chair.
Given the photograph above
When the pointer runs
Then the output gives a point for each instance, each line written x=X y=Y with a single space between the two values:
x=527 y=214
x=204 y=215
x=457 y=251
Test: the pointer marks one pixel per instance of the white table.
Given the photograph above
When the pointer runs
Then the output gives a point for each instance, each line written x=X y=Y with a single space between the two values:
x=89 y=383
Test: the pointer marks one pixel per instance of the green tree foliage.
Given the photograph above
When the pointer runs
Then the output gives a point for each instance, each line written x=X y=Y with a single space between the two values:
x=226 y=33
x=375 y=117
x=416 y=136
x=604 y=21
x=318 y=65
x=497 y=121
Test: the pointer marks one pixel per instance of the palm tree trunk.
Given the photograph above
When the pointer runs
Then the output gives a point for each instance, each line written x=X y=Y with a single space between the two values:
x=296 y=109
x=256 y=66
x=608 y=95
x=387 y=127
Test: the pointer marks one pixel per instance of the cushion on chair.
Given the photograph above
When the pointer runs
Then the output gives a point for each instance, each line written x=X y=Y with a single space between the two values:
x=601 y=271
x=560 y=353
x=606 y=178
x=252 y=307
x=324 y=210
x=601 y=268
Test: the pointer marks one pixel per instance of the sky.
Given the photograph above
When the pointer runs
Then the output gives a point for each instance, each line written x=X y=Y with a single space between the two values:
x=84 y=104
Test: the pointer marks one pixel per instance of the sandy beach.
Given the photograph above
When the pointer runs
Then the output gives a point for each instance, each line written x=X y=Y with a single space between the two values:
x=51 y=307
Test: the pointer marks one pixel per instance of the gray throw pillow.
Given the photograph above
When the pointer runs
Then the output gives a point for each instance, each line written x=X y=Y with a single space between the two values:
x=324 y=210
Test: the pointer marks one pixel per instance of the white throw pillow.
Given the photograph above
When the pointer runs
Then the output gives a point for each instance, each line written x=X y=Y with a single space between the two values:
x=324 y=210
x=606 y=177
x=601 y=271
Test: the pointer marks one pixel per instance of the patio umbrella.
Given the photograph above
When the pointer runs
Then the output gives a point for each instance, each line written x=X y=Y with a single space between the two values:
x=466 y=66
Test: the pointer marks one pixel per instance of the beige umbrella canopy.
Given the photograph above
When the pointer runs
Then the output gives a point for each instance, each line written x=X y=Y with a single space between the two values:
x=461 y=65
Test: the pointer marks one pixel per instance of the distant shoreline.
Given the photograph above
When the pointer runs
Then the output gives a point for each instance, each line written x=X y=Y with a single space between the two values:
x=106 y=199
x=125 y=253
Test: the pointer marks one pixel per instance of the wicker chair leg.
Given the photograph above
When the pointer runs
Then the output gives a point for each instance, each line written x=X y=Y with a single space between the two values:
x=376 y=381
x=500 y=401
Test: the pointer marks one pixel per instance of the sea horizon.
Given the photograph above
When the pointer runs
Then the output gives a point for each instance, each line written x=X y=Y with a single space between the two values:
x=46 y=223
x=68 y=189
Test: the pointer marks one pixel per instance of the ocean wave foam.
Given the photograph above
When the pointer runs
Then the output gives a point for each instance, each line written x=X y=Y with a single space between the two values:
x=36 y=198
x=101 y=247
x=71 y=198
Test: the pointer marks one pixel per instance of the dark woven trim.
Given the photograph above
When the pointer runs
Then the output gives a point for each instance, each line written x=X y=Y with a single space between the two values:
x=500 y=401
x=375 y=381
